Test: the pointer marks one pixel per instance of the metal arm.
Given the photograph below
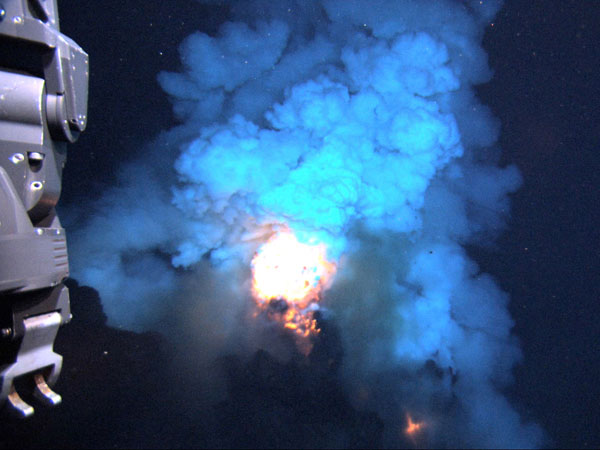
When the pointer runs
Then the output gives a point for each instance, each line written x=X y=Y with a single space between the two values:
x=43 y=106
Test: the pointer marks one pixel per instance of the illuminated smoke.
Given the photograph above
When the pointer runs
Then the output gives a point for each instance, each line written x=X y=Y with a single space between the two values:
x=355 y=124
x=287 y=279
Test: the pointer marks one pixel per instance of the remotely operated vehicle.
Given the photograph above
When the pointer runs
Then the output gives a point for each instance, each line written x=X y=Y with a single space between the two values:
x=43 y=107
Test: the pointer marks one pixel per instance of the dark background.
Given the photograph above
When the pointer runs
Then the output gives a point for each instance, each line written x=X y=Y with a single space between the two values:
x=546 y=93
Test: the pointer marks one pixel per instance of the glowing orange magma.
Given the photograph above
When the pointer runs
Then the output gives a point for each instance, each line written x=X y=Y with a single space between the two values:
x=412 y=427
x=288 y=279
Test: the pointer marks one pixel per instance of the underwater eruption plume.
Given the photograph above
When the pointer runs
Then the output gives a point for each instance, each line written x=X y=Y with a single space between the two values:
x=350 y=129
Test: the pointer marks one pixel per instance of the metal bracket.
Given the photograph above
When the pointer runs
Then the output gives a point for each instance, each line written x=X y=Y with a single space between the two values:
x=35 y=356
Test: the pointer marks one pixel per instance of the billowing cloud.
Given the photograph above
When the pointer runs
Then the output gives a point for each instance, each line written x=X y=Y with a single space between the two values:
x=353 y=123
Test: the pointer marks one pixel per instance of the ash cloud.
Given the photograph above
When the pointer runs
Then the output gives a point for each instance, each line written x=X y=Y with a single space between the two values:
x=356 y=124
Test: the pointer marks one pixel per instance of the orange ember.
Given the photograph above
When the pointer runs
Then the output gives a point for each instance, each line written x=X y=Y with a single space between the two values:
x=412 y=427
x=288 y=279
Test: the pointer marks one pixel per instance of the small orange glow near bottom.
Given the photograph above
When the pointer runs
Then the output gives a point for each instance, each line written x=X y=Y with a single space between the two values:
x=412 y=427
